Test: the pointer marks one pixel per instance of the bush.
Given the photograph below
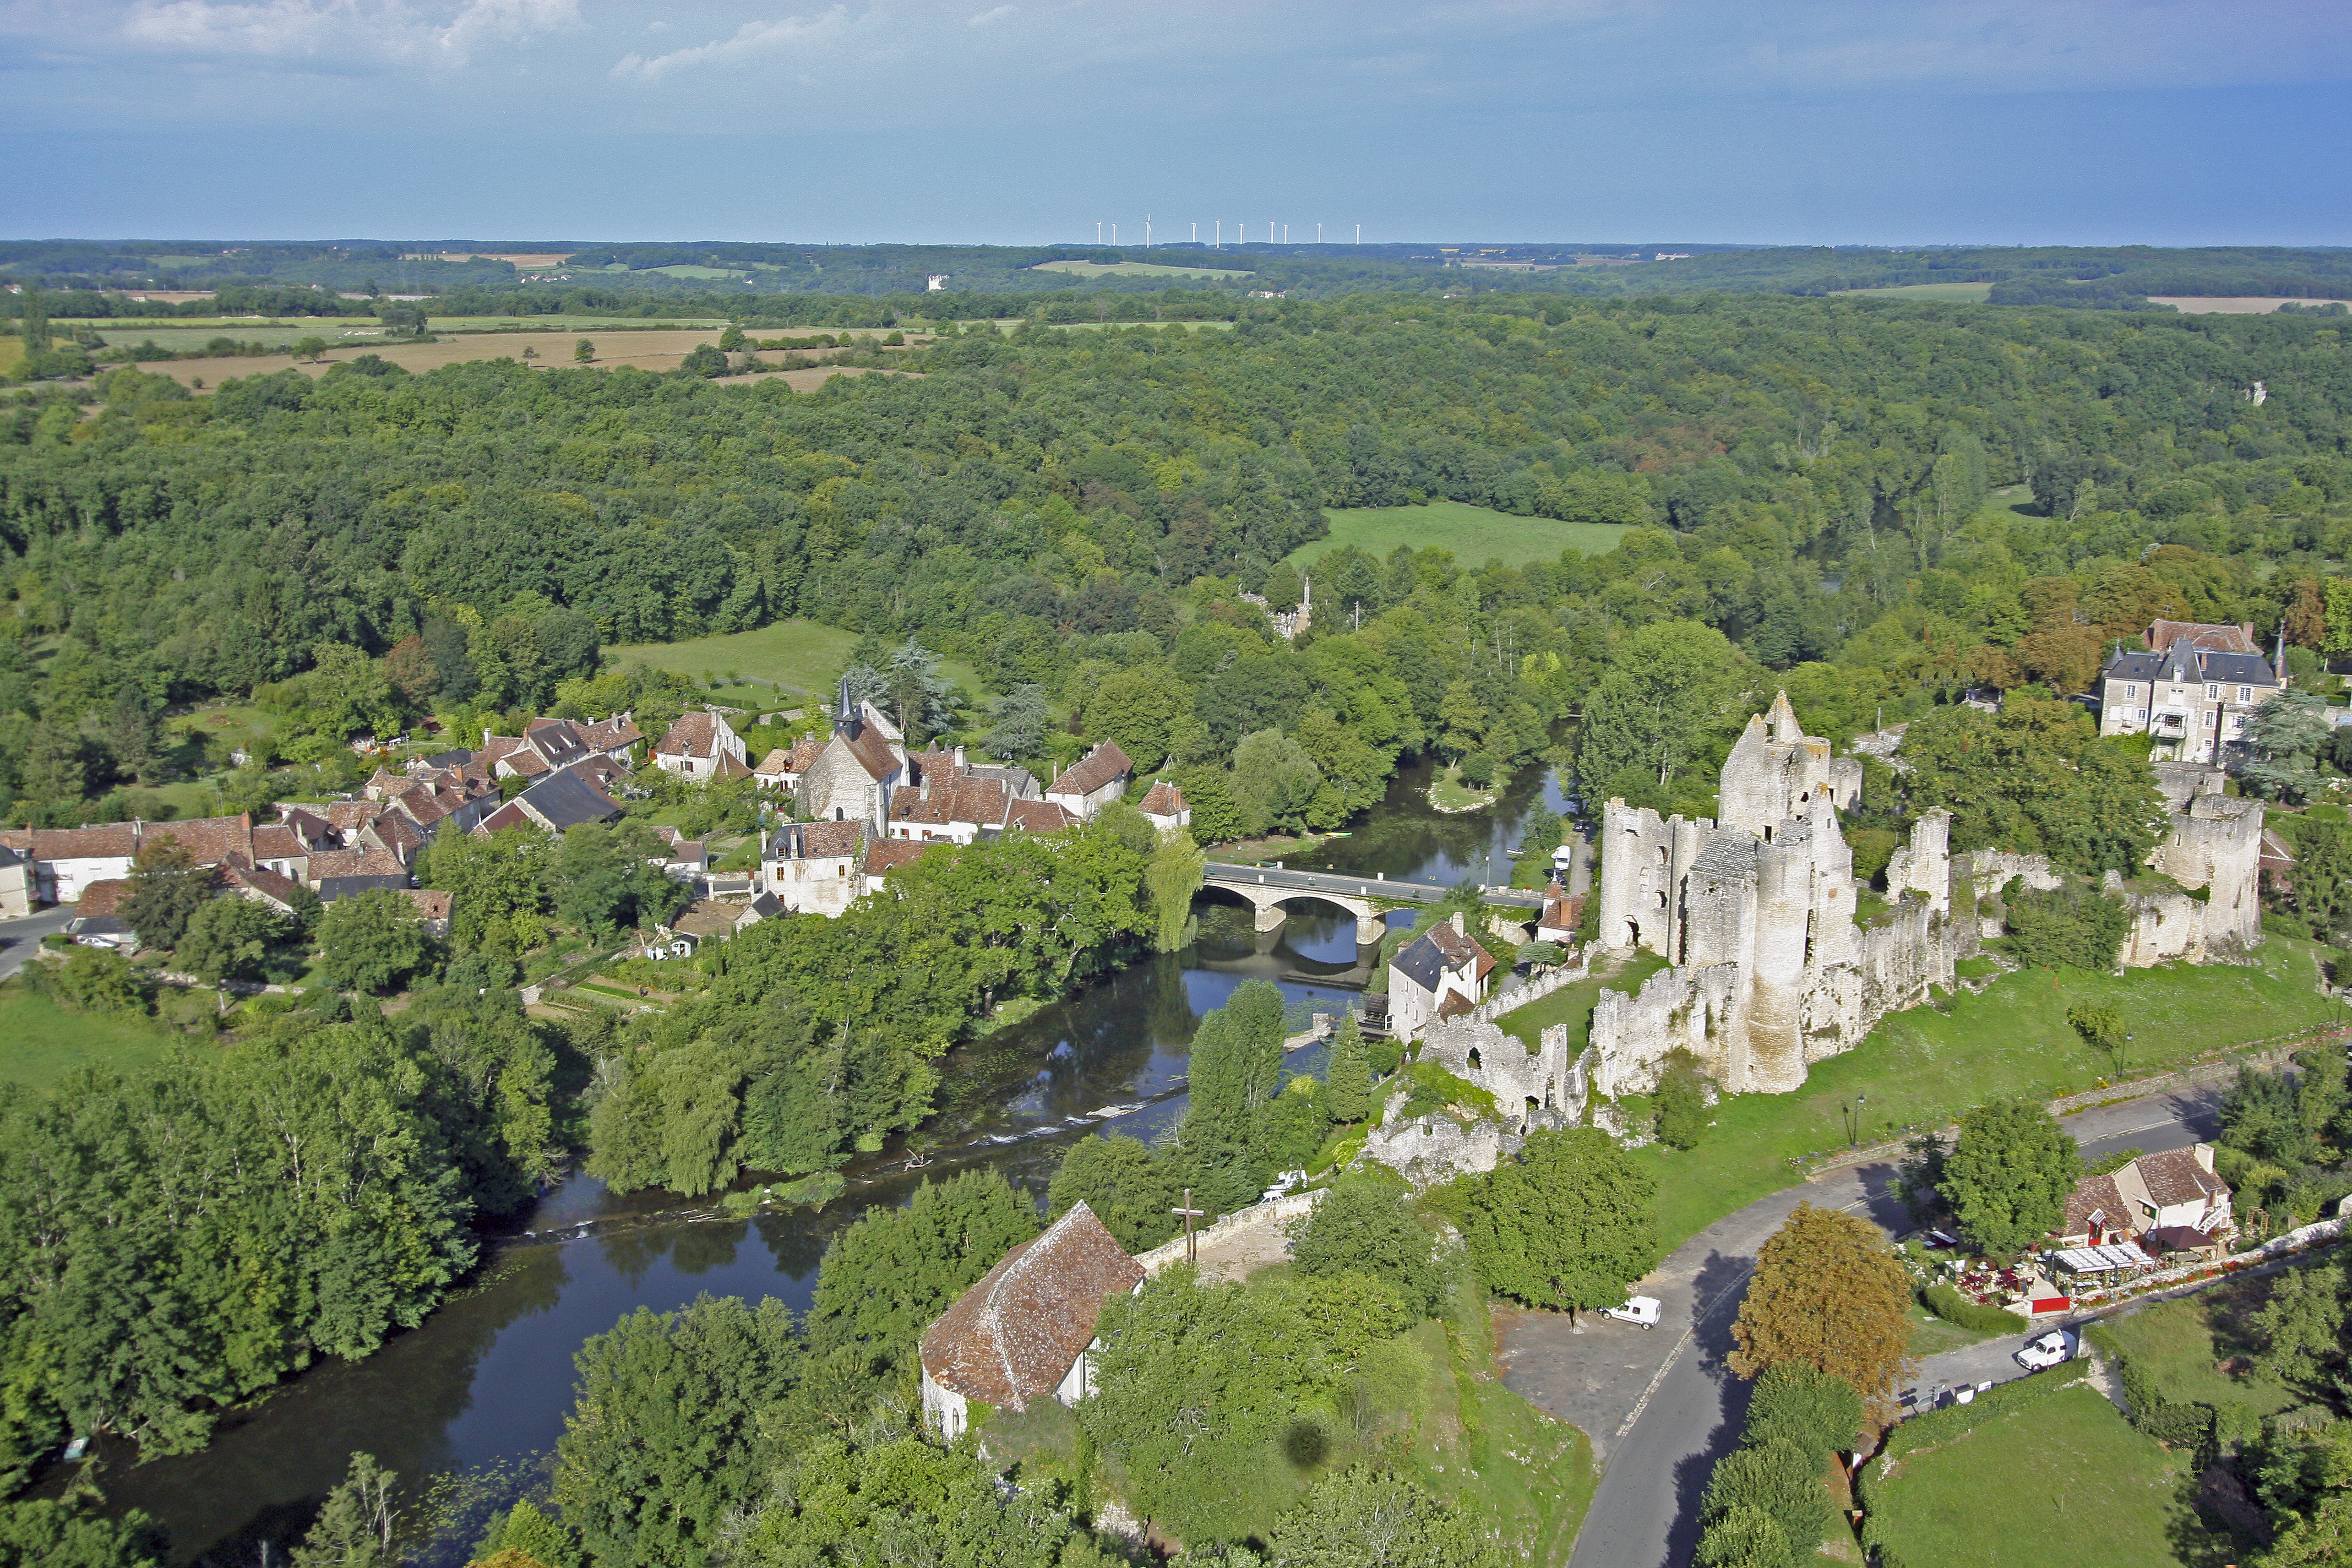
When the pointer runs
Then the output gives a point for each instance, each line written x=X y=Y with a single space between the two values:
x=1364 y=1228
x=1949 y=1304
x=2067 y=927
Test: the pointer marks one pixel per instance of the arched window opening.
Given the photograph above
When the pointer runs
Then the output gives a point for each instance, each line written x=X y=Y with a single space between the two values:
x=1476 y=1064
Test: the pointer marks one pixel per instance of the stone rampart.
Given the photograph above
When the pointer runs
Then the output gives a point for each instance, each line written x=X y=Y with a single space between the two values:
x=1274 y=1211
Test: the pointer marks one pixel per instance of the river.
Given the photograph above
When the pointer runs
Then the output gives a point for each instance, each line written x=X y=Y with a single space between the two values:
x=475 y=1397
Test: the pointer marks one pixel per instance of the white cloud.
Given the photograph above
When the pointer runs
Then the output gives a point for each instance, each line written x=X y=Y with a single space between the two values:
x=381 y=30
x=997 y=15
x=751 y=40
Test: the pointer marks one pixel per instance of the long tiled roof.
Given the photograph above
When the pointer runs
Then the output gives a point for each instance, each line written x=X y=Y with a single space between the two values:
x=2174 y=1176
x=694 y=735
x=1016 y=1334
x=1104 y=765
x=886 y=855
x=2096 y=1195
x=1040 y=817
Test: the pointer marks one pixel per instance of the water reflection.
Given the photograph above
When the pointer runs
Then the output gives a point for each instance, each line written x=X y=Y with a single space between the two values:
x=488 y=1380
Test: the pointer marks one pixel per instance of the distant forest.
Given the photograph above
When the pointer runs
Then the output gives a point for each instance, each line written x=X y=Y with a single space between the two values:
x=749 y=279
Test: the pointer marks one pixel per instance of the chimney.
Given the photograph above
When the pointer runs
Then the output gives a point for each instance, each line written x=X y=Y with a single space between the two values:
x=1456 y=923
x=2204 y=1155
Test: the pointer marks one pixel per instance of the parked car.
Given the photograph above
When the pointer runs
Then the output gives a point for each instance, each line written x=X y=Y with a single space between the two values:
x=2049 y=1349
x=1642 y=1310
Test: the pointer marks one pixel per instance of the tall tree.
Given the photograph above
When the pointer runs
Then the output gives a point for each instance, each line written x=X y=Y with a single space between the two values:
x=1173 y=875
x=1366 y=1226
x=1235 y=1072
x=2009 y=1173
x=1368 y=1518
x=356 y=1523
x=1567 y=1225
x=371 y=943
x=167 y=888
x=1349 y=1074
x=1129 y=1189
x=1663 y=697
x=1827 y=1294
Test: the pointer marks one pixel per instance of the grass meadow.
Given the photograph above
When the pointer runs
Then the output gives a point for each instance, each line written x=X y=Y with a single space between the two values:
x=41 y=1042
x=1476 y=534
x=801 y=656
x=2194 y=1350
x=2040 y=1478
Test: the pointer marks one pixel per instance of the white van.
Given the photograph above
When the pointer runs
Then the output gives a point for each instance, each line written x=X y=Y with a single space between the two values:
x=1642 y=1310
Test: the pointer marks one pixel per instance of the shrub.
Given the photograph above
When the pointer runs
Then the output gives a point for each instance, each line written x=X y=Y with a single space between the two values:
x=1949 y=1304
x=2069 y=926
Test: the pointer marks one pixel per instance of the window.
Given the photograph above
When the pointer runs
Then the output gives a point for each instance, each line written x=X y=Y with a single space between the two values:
x=2245 y=694
x=2132 y=689
x=2211 y=691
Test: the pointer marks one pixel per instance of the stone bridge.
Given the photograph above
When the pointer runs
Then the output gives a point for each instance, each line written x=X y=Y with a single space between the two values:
x=1266 y=889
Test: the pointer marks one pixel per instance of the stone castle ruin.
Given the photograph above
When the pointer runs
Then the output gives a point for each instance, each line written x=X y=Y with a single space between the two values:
x=1766 y=970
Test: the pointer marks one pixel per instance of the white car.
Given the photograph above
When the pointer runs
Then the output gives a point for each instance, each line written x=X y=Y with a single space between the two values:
x=2048 y=1350
x=1642 y=1310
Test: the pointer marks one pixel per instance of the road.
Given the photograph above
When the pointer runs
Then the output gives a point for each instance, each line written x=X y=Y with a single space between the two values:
x=1659 y=1405
x=1350 y=887
x=20 y=939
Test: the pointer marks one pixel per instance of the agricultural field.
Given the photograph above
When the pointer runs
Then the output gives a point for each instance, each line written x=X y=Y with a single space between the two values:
x=656 y=349
x=1939 y=293
x=1927 y=1066
x=1135 y=270
x=2056 y=1477
x=2229 y=305
x=1473 y=533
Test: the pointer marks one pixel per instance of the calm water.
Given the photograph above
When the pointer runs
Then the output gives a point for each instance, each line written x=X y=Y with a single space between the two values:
x=482 y=1387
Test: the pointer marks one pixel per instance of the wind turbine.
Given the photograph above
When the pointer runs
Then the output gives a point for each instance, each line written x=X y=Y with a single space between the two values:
x=1196 y=231
x=1147 y=231
x=1098 y=231
x=1318 y=234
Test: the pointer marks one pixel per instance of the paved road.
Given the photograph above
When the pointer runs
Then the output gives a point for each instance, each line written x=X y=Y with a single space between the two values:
x=1351 y=887
x=1659 y=1405
x=20 y=939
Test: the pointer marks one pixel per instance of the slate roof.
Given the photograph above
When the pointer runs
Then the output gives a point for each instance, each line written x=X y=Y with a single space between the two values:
x=1104 y=766
x=1016 y=1334
x=2184 y=664
x=563 y=801
x=1440 y=949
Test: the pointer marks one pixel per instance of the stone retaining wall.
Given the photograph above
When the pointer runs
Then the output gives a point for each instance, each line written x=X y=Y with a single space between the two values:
x=1275 y=1211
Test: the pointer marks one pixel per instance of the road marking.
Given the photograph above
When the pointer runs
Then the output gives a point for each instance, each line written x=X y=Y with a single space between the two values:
x=1698 y=1316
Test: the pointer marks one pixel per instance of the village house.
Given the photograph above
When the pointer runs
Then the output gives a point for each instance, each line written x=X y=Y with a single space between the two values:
x=1027 y=1329
x=557 y=803
x=2193 y=688
x=551 y=745
x=16 y=883
x=781 y=769
x=434 y=908
x=1163 y=805
x=98 y=917
x=687 y=859
x=703 y=747
x=2172 y=1199
x=809 y=865
x=1441 y=974
x=1091 y=783
x=1563 y=916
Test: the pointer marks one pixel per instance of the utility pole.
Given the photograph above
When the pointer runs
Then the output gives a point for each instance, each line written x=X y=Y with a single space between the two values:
x=1191 y=1245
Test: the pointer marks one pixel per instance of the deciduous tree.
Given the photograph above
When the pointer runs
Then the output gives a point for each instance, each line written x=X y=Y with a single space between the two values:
x=1827 y=1294
x=167 y=888
x=2008 y=1175
x=1567 y=1225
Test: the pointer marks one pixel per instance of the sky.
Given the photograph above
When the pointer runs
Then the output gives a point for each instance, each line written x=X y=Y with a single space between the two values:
x=1802 y=122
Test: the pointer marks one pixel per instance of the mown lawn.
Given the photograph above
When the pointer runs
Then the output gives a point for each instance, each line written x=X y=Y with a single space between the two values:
x=1474 y=533
x=1927 y=1066
x=40 y=1042
x=2058 y=1480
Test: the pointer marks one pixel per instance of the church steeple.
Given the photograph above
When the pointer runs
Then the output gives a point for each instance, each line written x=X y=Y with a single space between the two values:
x=845 y=713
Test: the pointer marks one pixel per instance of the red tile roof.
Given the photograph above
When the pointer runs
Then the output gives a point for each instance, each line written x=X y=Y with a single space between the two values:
x=886 y=855
x=431 y=903
x=1104 y=766
x=981 y=801
x=2096 y=1195
x=694 y=735
x=363 y=862
x=276 y=841
x=1162 y=799
x=2174 y=1176
x=1040 y=817
x=209 y=840
x=110 y=840
x=261 y=879
x=102 y=897
x=1016 y=1334
x=872 y=751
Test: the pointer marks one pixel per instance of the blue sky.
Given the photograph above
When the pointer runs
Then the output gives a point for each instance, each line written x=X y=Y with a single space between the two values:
x=2094 y=122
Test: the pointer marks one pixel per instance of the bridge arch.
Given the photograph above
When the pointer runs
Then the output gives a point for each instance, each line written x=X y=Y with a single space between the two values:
x=1268 y=900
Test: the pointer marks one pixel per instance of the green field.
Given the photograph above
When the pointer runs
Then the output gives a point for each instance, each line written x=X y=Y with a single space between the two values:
x=2032 y=1480
x=1941 y=294
x=40 y=1042
x=1474 y=533
x=800 y=655
x=1927 y=1066
x=1134 y=269
x=1572 y=1004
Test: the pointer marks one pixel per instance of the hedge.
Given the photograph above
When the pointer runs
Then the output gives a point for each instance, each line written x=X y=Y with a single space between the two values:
x=1949 y=1304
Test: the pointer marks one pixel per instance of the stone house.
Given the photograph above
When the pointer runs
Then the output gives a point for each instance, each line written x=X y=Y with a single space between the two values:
x=1440 y=973
x=2193 y=687
x=1091 y=783
x=16 y=895
x=1027 y=1329
x=2175 y=1191
x=556 y=803
x=812 y=867
x=700 y=746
